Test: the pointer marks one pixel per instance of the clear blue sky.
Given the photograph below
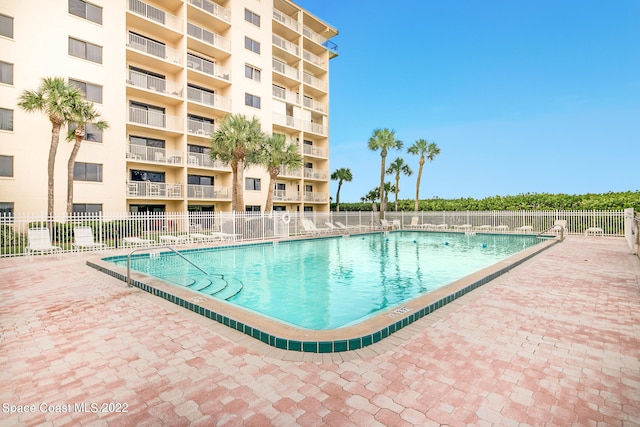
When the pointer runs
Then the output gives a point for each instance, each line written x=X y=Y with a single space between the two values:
x=521 y=96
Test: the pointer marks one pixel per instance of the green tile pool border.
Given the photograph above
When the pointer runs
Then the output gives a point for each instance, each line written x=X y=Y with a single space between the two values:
x=335 y=346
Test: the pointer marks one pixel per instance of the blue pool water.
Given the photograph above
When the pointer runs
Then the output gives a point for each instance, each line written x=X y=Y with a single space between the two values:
x=332 y=282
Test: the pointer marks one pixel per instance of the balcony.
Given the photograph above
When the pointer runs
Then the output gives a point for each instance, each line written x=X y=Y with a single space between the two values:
x=289 y=173
x=153 y=83
x=154 y=48
x=315 y=128
x=151 y=13
x=209 y=99
x=314 y=59
x=213 y=9
x=155 y=119
x=315 y=197
x=314 y=82
x=285 y=94
x=156 y=190
x=143 y=153
x=311 y=150
x=286 y=45
x=208 y=192
x=285 y=120
x=201 y=160
x=200 y=128
x=285 y=70
x=286 y=196
x=209 y=38
x=317 y=38
x=314 y=105
x=207 y=67
x=319 y=174
x=285 y=20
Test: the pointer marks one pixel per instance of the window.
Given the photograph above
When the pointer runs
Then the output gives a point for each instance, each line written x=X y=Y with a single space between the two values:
x=252 y=208
x=252 y=45
x=251 y=72
x=91 y=92
x=91 y=132
x=6 y=119
x=87 y=207
x=308 y=208
x=147 y=142
x=6 y=209
x=252 y=17
x=278 y=208
x=87 y=172
x=6 y=73
x=280 y=186
x=147 y=114
x=6 y=166
x=252 y=184
x=140 y=175
x=200 y=180
x=86 y=10
x=6 y=26
x=85 y=50
x=251 y=100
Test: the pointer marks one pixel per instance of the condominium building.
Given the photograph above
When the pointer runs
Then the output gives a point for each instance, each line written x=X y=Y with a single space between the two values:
x=163 y=73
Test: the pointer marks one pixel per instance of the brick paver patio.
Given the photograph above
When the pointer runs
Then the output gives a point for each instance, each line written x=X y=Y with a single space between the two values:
x=555 y=342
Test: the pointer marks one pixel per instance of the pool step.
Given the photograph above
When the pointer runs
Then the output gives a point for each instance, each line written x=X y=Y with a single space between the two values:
x=210 y=285
x=200 y=283
x=234 y=287
x=215 y=285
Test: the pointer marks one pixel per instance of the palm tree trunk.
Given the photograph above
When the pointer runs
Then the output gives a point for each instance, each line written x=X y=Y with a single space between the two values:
x=382 y=199
x=338 y=196
x=70 y=165
x=53 y=148
x=272 y=182
x=415 y=207
x=397 y=189
x=234 y=186
x=240 y=187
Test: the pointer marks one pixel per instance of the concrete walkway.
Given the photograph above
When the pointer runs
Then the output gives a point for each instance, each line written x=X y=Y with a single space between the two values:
x=555 y=342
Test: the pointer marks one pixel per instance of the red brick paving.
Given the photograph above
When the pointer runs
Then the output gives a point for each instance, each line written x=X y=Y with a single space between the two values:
x=554 y=342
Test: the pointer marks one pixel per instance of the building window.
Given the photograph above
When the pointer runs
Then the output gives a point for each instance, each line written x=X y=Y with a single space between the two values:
x=91 y=92
x=87 y=208
x=147 y=142
x=6 y=73
x=85 y=50
x=6 y=26
x=251 y=72
x=252 y=45
x=252 y=184
x=199 y=180
x=86 y=10
x=140 y=175
x=252 y=17
x=6 y=209
x=251 y=100
x=91 y=132
x=6 y=166
x=6 y=119
x=199 y=125
x=87 y=172
x=252 y=208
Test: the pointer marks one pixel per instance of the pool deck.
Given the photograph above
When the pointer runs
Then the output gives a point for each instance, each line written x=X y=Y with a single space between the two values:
x=556 y=342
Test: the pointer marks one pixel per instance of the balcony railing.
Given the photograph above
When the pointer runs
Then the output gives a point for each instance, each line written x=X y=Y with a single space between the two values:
x=286 y=196
x=154 y=118
x=316 y=174
x=212 y=8
x=285 y=94
x=314 y=105
x=314 y=81
x=207 y=98
x=285 y=20
x=157 y=84
x=314 y=59
x=208 y=192
x=285 y=45
x=286 y=70
x=208 y=37
x=154 y=48
x=295 y=173
x=208 y=67
x=204 y=160
x=285 y=120
x=155 y=154
x=312 y=35
x=316 y=197
x=311 y=150
x=315 y=128
x=154 y=190
x=197 y=127
x=154 y=14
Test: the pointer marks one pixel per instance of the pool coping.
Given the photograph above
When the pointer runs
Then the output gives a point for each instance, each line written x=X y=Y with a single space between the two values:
x=288 y=337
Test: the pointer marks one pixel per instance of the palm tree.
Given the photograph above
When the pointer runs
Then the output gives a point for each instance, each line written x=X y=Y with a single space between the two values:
x=383 y=140
x=275 y=154
x=236 y=138
x=57 y=99
x=426 y=150
x=84 y=113
x=342 y=174
x=397 y=167
x=374 y=195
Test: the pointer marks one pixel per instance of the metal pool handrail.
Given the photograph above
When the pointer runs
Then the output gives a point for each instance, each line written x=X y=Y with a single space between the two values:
x=172 y=250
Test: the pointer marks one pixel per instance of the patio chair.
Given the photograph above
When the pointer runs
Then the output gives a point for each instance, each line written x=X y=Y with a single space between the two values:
x=524 y=229
x=311 y=229
x=335 y=229
x=170 y=239
x=485 y=227
x=39 y=240
x=462 y=227
x=201 y=237
x=353 y=228
x=560 y=225
x=83 y=239
x=442 y=227
x=502 y=228
x=136 y=242
x=225 y=236
x=390 y=225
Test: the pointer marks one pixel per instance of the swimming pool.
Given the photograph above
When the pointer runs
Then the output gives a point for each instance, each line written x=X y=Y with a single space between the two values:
x=330 y=283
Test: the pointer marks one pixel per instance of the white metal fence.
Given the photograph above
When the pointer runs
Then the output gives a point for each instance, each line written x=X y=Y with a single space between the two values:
x=118 y=230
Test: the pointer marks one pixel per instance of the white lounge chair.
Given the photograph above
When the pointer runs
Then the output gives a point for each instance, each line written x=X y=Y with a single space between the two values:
x=441 y=226
x=201 y=237
x=524 y=229
x=560 y=225
x=83 y=239
x=226 y=236
x=169 y=239
x=390 y=225
x=311 y=229
x=485 y=227
x=352 y=228
x=136 y=242
x=462 y=227
x=335 y=229
x=39 y=240
x=502 y=228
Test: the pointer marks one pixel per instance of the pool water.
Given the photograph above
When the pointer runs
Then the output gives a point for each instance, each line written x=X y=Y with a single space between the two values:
x=332 y=282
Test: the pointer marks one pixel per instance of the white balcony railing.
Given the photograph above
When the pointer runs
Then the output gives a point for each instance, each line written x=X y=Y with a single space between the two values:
x=314 y=81
x=316 y=174
x=285 y=45
x=286 y=196
x=154 y=190
x=154 y=48
x=285 y=94
x=153 y=83
x=314 y=59
x=315 y=128
x=285 y=120
x=208 y=192
x=208 y=37
x=208 y=67
x=207 y=98
x=312 y=35
x=204 y=160
x=212 y=8
x=154 y=154
x=293 y=173
x=154 y=14
x=311 y=150
x=154 y=118
x=284 y=69
x=285 y=20
x=197 y=127
x=314 y=105
x=316 y=197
